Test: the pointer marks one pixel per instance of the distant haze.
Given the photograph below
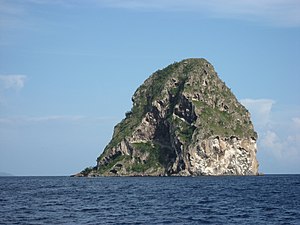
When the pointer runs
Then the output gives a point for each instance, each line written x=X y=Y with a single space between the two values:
x=3 y=174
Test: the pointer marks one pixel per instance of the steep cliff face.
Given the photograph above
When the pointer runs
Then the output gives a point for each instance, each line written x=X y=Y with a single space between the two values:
x=184 y=121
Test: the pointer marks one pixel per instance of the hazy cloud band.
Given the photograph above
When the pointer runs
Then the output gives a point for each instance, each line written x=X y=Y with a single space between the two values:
x=285 y=13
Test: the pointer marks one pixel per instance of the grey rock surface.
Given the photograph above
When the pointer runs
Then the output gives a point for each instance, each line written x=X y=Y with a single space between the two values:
x=184 y=122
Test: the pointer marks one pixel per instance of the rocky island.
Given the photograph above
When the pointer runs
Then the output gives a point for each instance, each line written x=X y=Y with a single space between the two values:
x=184 y=122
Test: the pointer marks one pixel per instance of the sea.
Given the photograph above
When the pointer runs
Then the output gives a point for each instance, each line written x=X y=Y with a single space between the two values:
x=269 y=199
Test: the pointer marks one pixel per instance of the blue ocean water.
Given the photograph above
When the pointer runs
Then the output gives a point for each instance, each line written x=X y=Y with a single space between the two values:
x=270 y=199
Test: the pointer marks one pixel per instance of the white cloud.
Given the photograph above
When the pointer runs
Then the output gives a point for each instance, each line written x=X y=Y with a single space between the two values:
x=15 y=82
x=19 y=120
x=270 y=139
x=278 y=137
x=53 y=118
x=260 y=110
x=283 y=148
x=278 y=12
x=296 y=121
x=271 y=142
x=295 y=138
x=5 y=121
x=40 y=119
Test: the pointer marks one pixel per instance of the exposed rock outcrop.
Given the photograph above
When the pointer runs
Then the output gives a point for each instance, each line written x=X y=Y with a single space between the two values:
x=184 y=121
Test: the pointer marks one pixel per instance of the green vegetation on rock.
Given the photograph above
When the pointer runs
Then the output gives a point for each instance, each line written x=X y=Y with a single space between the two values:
x=173 y=111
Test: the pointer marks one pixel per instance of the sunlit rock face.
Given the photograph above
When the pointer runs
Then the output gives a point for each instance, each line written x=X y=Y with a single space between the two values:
x=184 y=122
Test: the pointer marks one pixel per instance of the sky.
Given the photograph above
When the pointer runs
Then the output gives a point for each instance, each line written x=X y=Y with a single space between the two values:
x=69 y=68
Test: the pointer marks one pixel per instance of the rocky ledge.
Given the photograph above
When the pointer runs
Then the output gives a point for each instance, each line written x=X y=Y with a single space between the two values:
x=184 y=122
